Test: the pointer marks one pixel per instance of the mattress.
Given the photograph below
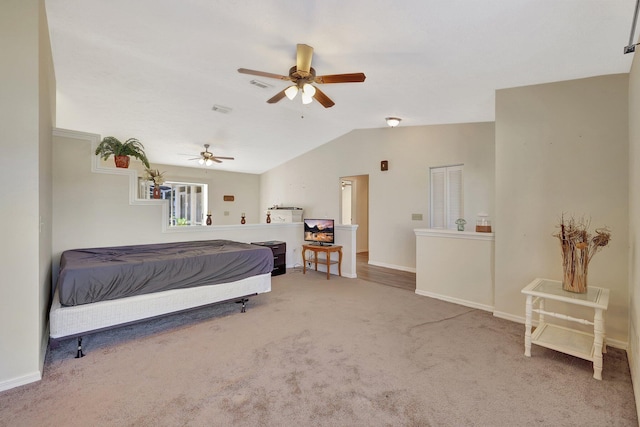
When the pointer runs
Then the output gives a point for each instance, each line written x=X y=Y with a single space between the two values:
x=103 y=274
x=76 y=320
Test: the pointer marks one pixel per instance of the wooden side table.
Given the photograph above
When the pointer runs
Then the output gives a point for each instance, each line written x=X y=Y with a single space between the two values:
x=570 y=341
x=327 y=250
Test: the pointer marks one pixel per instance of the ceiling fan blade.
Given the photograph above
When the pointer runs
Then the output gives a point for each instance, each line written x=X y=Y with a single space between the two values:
x=263 y=74
x=303 y=58
x=323 y=99
x=341 y=78
x=215 y=159
x=277 y=97
x=223 y=158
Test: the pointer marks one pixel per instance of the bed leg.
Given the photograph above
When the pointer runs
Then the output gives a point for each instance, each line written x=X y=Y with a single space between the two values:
x=243 y=301
x=79 y=354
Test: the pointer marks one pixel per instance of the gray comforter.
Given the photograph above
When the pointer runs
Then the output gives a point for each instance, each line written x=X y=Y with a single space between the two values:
x=91 y=275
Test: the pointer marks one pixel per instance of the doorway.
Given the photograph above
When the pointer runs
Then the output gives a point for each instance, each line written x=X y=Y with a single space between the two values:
x=354 y=209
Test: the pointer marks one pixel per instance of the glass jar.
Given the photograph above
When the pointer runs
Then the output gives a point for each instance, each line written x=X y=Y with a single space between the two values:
x=483 y=224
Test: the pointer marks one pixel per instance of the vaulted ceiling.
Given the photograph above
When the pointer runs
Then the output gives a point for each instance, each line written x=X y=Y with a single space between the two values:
x=154 y=69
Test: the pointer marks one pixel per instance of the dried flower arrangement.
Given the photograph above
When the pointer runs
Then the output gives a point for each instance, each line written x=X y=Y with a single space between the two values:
x=154 y=175
x=578 y=247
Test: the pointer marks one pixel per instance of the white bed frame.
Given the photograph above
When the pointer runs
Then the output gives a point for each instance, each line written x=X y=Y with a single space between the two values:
x=74 y=321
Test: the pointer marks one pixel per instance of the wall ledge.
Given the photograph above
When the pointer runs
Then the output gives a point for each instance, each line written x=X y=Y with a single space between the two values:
x=453 y=234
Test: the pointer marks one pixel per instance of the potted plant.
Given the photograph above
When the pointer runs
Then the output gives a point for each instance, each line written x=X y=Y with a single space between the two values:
x=121 y=151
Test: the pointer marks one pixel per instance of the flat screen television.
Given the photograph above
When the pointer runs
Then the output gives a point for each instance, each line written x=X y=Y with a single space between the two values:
x=318 y=231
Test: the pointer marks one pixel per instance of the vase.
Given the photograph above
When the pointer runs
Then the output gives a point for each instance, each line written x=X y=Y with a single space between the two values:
x=209 y=222
x=574 y=268
x=268 y=218
x=156 y=192
x=242 y=220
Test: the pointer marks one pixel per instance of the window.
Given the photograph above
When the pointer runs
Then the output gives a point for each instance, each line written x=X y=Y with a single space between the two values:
x=446 y=201
x=188 y=201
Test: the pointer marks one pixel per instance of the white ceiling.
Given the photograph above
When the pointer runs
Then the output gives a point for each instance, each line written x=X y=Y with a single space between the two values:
x=153 y=69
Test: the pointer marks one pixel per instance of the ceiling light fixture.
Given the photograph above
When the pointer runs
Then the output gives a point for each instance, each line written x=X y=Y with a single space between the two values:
x=308 y=89
x=393 y=121
x=208 y=162
x=306 y=92
x=291 y=91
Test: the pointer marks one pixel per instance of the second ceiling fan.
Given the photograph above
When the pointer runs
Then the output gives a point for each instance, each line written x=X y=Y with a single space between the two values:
x=207 y=157
x=303 y=75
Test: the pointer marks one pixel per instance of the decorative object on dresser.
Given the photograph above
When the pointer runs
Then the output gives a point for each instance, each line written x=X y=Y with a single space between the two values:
x=578 y=247
x=279 y=250
x=242 y=219
x=268 y=217
x=121 y=151
x=460 y=222
x=209 y=221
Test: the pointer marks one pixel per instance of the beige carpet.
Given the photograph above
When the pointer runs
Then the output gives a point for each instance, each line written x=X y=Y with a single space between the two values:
x=313 y=352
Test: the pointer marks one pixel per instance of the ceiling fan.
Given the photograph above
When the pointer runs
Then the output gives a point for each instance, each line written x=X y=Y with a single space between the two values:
x=303 y=75
x=207 y=157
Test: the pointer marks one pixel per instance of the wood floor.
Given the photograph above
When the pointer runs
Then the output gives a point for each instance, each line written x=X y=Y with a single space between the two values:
x=385 y=276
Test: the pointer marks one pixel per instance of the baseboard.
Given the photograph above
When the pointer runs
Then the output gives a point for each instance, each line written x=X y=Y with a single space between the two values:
x=22 y=380
x=622 y=345
x=512 y=317
x=458 y=301
x=34 y=376
x=392 y=266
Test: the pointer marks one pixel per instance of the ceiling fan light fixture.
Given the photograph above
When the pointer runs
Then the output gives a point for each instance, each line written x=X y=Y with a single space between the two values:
x=306 y=99
x=291 y=91
x=201 y=161
x=393 y=121
x=308 y=89
x=208 y=162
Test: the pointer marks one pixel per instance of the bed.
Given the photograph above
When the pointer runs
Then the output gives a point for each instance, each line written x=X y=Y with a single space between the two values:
x=102 y=288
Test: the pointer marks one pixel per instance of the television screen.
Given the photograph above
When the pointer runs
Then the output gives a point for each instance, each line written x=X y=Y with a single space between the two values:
x=319 y=231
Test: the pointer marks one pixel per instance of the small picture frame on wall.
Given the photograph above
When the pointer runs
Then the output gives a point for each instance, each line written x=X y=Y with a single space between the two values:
x=228 y=198
x=384 y=165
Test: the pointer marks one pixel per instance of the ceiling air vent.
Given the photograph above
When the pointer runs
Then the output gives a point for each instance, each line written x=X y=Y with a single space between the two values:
x=221 y=109
x=261 y=85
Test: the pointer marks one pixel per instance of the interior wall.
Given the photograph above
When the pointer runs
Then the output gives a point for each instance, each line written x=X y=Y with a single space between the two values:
x=93 y=209
x=561 y=148
x=310 y=180
x=634 y=227
x=47 y=109
x=21 y=107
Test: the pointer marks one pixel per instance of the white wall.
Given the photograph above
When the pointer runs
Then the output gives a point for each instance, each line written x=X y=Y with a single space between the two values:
x=311 y=181
x=456 y=266
x=634 y=227
x=561 y=148
x=25 y=135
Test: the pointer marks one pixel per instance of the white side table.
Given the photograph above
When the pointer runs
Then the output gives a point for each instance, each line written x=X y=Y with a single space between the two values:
x=570 y=341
